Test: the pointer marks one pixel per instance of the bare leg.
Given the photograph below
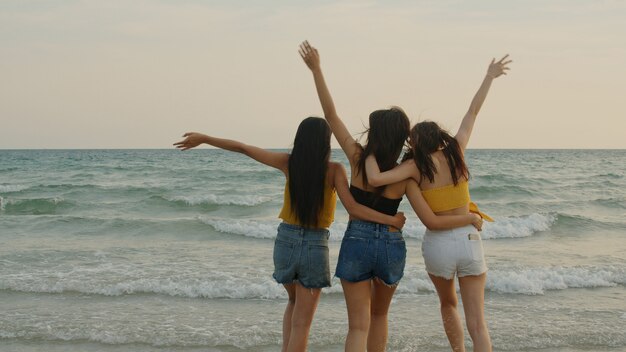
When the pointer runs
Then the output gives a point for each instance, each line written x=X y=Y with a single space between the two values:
x=381 y=299
x=449 y=314
x=358 y=298
x=303 y=311
x=291 y=291
x=473 y=294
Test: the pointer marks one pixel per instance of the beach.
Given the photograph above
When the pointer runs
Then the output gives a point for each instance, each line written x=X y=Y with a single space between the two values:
x=162 y=250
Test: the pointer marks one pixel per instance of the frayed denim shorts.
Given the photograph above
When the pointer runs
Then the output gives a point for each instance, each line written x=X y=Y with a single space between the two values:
x=301 y=255
x=457 y=251
x=369 y=250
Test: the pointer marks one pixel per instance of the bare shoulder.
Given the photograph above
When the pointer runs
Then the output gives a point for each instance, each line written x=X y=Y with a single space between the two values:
x=334 y=167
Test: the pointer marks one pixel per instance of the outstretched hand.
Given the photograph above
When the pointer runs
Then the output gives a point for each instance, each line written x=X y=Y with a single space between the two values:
x=496 y=69
x=309 y=55
x=192 y=140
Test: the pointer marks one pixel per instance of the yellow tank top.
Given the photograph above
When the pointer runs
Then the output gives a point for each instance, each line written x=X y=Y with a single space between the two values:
x=452 y=197
x=328 y=208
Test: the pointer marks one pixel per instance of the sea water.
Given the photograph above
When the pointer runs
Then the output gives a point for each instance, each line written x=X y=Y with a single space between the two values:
x=162 y=250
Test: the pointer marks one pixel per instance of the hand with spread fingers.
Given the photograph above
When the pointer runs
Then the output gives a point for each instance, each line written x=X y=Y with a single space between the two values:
x=192 y=140
x=496 y=69
x=310 y=55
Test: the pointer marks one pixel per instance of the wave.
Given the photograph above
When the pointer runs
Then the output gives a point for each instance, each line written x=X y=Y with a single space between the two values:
x=505 y=227
x=12 y=188
x=501 y=191
x=581 y=222
x=127 y=227
x=610 y=202
x=222 y=287
x=262 y=228
x=212 y=199
x=258 y=283
x=248 y=228
x=518 y=226
x=35 y=206
x=610 y=175
x=535 y=281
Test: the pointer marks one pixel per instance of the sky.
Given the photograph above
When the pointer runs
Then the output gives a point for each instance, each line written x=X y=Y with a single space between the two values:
x=138 y=74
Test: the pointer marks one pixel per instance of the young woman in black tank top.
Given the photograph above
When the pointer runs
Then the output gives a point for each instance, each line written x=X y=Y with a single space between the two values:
x=367 y=294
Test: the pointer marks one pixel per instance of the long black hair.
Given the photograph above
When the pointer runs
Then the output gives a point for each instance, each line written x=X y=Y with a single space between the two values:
x=426 y=138
x=308 y=164
x=386 y=136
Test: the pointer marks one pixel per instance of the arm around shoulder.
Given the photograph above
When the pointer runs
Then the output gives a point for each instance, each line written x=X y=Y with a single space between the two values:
x=376 y=178
x=357 y=210
x=431 y=220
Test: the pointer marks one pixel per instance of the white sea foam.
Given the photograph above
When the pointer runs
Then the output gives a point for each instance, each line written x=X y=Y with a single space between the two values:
x=518 y=226
x=260 y=285
x=248 y=228
x=242 y=200
x=218 y=286
x=535 y=281
x=12 y=188
x=505 y=227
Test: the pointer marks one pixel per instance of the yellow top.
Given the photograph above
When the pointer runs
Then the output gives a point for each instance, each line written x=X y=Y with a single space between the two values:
x=328 y=208
x=452 y=197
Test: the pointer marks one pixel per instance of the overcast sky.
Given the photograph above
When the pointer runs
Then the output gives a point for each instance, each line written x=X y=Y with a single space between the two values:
x=138 y=74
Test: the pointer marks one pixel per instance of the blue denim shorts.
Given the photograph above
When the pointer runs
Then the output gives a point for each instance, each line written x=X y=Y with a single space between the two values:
x=370 y=250
x=301 y=254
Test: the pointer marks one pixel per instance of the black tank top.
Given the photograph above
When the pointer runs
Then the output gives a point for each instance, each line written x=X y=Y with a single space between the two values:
x=379 y=203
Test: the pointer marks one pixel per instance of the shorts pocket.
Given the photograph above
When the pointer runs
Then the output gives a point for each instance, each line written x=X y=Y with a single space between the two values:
x=475 y=250
x=396 y=251
x=318 y=260
x=283 y=251
x=353 y=249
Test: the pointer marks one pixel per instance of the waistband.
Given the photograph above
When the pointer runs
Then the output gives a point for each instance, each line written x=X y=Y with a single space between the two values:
x=457 y=231
x=297 y=231
x=374 y=228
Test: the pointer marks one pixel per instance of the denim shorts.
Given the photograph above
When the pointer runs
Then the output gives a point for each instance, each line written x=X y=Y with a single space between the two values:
x=301 y=255
x=370 y=250
x=457 y=251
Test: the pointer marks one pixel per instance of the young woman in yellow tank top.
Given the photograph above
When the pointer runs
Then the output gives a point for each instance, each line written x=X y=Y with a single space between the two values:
x=372 y=257
x=301 y=246
x=436 y=162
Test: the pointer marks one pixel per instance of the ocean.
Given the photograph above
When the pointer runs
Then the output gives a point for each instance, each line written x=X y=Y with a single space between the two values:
x=162 y=250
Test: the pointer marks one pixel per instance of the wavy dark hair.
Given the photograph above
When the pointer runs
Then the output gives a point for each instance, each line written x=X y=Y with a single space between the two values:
x=308 y=163
x=386 y=136
x=426 y=138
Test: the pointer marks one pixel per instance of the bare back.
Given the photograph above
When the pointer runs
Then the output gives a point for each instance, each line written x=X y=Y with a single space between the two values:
x=443 y=178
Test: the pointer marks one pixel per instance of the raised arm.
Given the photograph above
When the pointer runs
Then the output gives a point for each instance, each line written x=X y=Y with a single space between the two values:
x=312 y=59
x=273 y=159
x=401 y=172
x=496 y=69
x=360 y=211
x=434 y=221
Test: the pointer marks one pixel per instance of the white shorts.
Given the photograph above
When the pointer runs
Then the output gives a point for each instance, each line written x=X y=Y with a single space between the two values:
x=457 y=251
